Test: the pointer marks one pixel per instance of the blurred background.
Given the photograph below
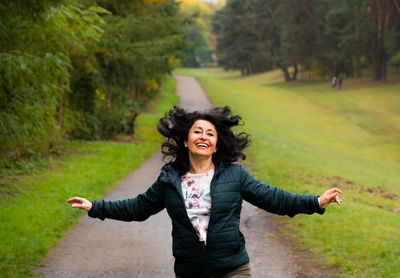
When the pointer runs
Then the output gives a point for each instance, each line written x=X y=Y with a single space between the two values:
x=317 y=82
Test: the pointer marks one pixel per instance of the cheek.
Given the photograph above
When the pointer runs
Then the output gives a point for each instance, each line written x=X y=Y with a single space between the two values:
x=215 y=144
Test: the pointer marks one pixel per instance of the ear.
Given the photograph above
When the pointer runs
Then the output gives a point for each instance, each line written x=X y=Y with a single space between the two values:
x=185 y=144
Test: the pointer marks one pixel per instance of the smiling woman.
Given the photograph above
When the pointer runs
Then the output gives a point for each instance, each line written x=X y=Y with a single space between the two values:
x=202 y=189
x=179 y=126
x=202 y=144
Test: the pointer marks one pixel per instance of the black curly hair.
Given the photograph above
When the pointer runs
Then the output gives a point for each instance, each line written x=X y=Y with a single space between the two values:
x=175 y=126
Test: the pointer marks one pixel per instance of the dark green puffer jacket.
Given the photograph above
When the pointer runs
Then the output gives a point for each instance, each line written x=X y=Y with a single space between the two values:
x=225 y=247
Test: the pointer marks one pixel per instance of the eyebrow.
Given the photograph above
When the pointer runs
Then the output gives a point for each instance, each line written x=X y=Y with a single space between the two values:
x=210 y=129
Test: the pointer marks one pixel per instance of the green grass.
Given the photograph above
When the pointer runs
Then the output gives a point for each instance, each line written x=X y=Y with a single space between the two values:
x=145 y=129
x=33 y=210
x=307 y=138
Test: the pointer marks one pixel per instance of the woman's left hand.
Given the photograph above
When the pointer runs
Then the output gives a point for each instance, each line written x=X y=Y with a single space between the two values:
x=330 y=196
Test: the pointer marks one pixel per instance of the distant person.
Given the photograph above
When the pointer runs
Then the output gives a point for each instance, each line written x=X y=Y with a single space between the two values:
x=334 y=82
x=203 y=188
x=340 y=82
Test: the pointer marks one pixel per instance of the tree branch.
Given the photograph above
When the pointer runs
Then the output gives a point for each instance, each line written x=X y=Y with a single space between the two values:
x=307 y=9
x=397 y=6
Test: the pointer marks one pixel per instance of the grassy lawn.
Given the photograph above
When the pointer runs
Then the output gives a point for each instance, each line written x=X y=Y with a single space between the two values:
x=307 y=138
x=33 y=210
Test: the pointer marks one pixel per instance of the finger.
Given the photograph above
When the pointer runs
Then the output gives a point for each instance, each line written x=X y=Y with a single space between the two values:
x=75 y=200
x=336 y=200
x=331 y=192
x=72 y=200
x=332 y=196
x=338 y=190
x=334 y=190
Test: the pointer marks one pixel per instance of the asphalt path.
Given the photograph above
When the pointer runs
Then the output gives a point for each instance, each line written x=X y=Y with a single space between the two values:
x=95 y=248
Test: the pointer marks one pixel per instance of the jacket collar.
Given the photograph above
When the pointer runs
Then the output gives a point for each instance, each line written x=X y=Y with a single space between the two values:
x=170 y=175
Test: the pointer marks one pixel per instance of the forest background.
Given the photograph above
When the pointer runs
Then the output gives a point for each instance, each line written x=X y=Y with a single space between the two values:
x=83 y=69
x=78 y=74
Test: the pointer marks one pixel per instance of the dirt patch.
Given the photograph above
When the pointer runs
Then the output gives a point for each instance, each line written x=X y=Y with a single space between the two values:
x=357 y=83
x=339 y=182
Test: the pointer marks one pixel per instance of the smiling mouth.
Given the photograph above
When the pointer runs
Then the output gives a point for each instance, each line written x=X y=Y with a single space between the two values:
x=202 y=145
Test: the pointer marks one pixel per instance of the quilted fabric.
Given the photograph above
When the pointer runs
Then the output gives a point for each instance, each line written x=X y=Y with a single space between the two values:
x=225 y=248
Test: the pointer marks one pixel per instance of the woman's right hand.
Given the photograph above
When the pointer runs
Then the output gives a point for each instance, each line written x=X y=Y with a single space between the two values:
x=80 y=203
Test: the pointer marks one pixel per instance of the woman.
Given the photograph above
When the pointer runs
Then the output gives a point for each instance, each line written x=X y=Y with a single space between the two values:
x=202 y=189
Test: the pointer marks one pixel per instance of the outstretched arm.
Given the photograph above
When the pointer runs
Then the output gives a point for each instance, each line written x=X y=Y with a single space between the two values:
x=330 y=196
x=276 y=200
x=80 y=203
x=132 y=209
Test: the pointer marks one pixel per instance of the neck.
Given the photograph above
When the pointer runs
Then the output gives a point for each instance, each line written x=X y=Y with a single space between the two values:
x=199 y=165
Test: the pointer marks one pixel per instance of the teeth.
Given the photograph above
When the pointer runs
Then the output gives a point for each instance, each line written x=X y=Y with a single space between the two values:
x=202 y=145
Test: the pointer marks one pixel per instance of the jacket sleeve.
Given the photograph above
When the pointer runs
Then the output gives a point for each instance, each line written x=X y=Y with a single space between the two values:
x=134 y=209
x=276 y=200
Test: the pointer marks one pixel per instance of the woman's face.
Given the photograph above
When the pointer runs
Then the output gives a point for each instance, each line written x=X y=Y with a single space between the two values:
x=202 y=139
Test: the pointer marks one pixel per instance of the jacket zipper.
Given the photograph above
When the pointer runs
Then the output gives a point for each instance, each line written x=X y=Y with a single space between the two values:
x=211 y=200
x=178 y=187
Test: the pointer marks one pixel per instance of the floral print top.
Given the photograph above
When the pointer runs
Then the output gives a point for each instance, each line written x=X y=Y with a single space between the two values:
x=196 y=192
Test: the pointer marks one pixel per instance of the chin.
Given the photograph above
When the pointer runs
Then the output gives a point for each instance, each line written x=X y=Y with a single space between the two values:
x=202 y=154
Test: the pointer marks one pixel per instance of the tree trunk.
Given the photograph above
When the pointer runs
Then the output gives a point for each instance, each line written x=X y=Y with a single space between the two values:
x=357 y=52
x=286 y=72
x=357 y=66
x=294 y=76
x=60 y=108
x=252 y=67
x=380 y=65
x=333 y=68
x=381 y=57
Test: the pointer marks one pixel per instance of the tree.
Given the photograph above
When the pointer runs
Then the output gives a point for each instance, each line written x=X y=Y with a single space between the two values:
x=58 y=80
x=34 y=74
x=236 y=48
x=386 y=15
x=248 y=34
x=139 y=46
x=312 y=33
x=197 y=33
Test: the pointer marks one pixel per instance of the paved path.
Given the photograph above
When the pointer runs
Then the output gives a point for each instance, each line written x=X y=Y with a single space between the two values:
x=95 y=248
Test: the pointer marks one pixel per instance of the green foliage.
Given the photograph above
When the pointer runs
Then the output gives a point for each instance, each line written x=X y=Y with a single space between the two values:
x=116 y=119
x=28 y=102
x=247 y=36
x=88 y=169
x=287 y=33
x=27 y=7
x=197 y=33
x=138 y=48
x=145 y=123
x=59 y=80
x=35 y=79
